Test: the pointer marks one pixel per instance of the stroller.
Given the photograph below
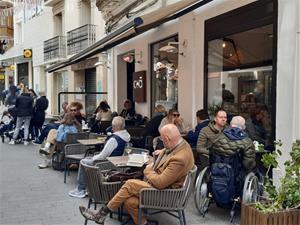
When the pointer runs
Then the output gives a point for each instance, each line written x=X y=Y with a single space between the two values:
x=8 y=131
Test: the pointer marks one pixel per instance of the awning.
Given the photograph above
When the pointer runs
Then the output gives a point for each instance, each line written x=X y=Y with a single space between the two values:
x=138 y=26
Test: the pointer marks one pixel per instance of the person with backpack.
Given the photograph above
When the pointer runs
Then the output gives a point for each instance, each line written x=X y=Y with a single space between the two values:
x=38 y=119
x=232 y=156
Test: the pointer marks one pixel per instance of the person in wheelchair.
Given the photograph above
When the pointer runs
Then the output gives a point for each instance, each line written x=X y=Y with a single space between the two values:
x=234 y=148
x=231 y=160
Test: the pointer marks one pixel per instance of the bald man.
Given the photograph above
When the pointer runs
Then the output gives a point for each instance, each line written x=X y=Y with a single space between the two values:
x=168 y=171
x=235 y=140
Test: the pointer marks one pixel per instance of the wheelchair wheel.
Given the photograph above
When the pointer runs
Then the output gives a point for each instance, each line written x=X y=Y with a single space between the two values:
x=251 y=189
x=201 y=191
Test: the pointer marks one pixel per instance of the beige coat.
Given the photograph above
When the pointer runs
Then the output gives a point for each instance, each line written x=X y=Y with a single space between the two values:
x=169 y=171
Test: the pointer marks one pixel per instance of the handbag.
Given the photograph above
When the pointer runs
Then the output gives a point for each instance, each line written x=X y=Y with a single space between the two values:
x=114 y=175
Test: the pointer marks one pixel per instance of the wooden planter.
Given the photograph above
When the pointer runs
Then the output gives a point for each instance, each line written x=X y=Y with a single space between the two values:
x=251 y=216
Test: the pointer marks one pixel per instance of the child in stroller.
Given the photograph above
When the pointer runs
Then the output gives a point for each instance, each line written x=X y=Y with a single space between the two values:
x=8 y=123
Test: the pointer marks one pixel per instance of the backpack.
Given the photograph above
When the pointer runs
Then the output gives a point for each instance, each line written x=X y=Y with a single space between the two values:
x=223 y=183
x=224 y=174
x=58 y=161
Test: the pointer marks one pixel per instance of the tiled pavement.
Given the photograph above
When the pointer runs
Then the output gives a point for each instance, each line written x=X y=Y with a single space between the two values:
x=32 y=196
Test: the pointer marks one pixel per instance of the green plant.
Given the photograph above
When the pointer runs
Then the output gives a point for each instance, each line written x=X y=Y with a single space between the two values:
x=287 y=196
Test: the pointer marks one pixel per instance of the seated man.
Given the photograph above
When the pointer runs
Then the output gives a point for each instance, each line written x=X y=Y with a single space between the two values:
x=113 y=147
x=234 y=140
x=202 y=121
x=211 y=132
x=168 y=171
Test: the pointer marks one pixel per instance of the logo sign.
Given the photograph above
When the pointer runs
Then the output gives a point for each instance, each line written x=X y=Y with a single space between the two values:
x=27 y=53
x=138 y=83
x=139 y=86
x=128 y=58
x=12 y=67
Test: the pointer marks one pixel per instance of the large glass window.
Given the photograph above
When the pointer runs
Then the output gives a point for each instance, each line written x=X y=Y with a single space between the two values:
x=165 y=73
x=240 y=79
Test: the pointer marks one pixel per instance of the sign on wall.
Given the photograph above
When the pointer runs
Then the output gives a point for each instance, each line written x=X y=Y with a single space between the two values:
x=139 y=86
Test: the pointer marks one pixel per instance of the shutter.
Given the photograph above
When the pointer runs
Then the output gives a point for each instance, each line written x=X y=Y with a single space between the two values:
x=90 y=86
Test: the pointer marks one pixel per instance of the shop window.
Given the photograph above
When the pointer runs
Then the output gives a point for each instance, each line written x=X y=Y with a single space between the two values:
x=165 y=73
x=239 y=79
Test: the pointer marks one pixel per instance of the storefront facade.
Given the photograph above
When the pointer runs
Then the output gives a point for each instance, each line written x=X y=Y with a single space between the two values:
x=227 y=53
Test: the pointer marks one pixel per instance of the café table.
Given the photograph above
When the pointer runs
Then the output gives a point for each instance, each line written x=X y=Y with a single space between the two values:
x=122 y=161
x=92 y=142
x=95 y=144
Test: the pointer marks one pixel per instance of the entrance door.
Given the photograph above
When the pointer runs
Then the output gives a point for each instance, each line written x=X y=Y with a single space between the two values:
x=90 y=86
x=23 y=73
x=130 y=71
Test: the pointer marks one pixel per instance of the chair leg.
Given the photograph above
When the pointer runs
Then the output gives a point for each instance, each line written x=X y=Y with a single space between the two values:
x=181 y=217
x=65 y=172
x=184 y=219
x=140 y=216
x=89 y=205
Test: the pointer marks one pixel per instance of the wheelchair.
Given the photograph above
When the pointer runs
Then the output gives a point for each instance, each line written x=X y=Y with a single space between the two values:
x=248 y=188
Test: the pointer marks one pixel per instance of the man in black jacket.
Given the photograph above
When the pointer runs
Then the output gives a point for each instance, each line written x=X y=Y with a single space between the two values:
x=24 y=105
x=38 y=119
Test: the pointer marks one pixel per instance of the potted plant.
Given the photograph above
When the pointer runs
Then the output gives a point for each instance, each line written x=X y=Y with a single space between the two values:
x=282 y=205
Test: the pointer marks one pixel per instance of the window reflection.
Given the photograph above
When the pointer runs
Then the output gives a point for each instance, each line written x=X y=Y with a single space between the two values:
x=165 y=73
x=240 y=78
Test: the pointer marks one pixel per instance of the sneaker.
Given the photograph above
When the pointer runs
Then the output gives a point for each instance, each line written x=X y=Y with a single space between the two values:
x=36 y=142
x=77 y=194
x=44 y=151
x=26 y=143
x=12 y=142
x=45 y=164
x=96 y=216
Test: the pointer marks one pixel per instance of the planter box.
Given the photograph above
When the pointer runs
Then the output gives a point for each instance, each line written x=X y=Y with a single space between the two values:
x=251 y=216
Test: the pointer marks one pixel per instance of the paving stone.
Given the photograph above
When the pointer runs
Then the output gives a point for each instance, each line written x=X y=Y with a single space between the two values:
x=32 y=196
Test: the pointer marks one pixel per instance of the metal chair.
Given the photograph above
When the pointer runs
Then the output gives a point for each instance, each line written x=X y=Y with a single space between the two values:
x=100 y=192
x=73 y=154
x=168 y=200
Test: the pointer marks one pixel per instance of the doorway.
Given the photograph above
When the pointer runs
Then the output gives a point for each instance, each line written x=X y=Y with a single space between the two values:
x=130 y=71
x=23 y=73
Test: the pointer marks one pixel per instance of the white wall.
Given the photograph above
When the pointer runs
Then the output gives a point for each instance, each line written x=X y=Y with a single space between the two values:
x=71 y=15
x=36 y=33
x=288 y=94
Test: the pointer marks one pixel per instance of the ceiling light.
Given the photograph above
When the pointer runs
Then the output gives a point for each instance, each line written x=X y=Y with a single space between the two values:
x=172 y=49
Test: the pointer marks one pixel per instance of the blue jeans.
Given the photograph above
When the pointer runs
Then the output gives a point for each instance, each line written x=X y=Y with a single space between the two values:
x=81 y=174
x=45 y=131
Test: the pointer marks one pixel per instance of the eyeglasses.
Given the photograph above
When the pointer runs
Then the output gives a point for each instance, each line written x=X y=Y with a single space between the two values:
x=176 y=115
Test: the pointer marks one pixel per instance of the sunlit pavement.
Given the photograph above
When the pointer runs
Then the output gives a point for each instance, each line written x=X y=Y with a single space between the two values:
x=29 y=195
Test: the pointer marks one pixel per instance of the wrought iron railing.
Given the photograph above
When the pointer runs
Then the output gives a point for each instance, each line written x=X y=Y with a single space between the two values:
x=81 y=38
x=55 y=48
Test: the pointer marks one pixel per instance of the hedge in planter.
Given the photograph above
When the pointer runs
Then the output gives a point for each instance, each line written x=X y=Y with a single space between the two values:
x=281 y=206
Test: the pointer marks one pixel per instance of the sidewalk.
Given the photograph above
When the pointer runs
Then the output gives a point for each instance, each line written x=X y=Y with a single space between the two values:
x=32 y=196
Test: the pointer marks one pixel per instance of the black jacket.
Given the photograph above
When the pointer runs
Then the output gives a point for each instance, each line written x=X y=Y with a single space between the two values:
x=24 y=105
x=41 y=104
x=151 y=128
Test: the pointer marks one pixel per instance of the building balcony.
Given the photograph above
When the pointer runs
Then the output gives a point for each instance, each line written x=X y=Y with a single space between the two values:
x=55 y=49
x=80 y=38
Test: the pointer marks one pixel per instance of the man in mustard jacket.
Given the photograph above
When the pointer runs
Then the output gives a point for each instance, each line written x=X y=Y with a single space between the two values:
x=168 y=171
